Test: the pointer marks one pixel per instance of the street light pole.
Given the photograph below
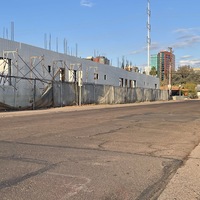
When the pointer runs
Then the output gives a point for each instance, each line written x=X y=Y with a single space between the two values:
x=170 y=71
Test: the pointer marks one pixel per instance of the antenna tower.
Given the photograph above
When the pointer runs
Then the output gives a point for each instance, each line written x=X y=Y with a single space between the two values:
x=148 y=37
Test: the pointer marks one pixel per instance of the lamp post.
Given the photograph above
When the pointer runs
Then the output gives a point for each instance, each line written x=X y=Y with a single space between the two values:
x=170 y=71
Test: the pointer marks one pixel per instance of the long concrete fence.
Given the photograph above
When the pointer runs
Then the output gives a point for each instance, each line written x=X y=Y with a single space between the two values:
x=57 y=94
x=69 y=94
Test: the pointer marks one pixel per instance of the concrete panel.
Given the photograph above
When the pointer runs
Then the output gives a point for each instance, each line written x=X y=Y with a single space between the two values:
x=106 y=95
x=26 y=52
x=140 y=94
x=65 y=94
x=148 y=95
x=119 y=95
x=88 y=94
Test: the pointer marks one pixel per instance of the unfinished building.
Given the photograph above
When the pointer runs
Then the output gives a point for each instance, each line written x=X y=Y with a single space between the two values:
x=32 y=77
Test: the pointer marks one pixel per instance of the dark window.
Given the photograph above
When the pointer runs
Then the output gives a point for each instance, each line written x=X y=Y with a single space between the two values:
x=126 y=83
x=49 y=68
x=96 y=76
x=121 y=80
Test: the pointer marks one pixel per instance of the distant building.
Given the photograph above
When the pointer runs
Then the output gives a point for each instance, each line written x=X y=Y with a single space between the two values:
x=164 y=60
x=154 y=61
x=131 y=68
x=100 y=59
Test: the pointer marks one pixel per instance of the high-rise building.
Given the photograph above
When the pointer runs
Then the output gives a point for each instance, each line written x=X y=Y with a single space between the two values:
x=165 y=65
x=154 y=61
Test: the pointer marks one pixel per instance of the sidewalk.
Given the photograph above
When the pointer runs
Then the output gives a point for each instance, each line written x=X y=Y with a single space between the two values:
x=76 y=108
x=185 y=185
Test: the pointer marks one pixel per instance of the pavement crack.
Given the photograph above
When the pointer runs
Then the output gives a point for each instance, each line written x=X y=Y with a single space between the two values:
x=14 y=181
x=30 y=160
x=101 y=145
x=85 y=149
x=108 y=132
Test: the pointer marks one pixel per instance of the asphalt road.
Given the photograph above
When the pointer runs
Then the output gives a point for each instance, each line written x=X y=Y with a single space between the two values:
x=110 y=153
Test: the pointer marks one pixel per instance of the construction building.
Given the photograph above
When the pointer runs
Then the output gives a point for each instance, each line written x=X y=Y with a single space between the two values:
x=28 y=74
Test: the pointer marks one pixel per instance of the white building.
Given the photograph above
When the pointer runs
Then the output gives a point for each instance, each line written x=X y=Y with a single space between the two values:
x=24 y=68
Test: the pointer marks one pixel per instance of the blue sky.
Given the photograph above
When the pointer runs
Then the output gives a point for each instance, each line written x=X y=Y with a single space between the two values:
x=112 y=28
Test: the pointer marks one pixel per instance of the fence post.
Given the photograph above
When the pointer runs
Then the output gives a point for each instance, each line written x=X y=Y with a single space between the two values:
x=34 y=94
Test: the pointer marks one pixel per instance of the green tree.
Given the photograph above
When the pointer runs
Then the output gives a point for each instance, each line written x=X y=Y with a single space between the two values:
x=192 y=93
x=185 y=74
x=187 y=78
x=153 y=71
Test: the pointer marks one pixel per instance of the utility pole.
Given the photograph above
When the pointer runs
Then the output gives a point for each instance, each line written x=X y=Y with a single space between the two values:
x=170 y=71
x=76 y=50
x=45 y=41
x=57 y=44
x=12 y=31
x=50 y=41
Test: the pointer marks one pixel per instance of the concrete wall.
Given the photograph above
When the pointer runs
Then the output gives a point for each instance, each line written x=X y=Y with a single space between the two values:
x=24 y=62
x=65 y=94
x=103 y=94
x=32 y=80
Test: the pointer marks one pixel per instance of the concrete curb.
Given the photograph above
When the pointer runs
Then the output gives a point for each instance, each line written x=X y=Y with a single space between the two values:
x=77 y=108
x=185 y=184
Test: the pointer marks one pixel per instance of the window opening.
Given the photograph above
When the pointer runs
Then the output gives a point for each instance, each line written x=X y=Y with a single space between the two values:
x=96 y=76
x=62 y=74
x=49 y=68
x=121 y=82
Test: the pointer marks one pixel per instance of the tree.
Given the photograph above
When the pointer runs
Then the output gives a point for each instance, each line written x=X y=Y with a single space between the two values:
x=185 y=74
x=192 y=93
x=187 y=78
x=153 y=71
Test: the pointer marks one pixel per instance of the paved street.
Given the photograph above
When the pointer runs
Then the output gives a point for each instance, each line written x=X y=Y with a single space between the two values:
x=116 y=152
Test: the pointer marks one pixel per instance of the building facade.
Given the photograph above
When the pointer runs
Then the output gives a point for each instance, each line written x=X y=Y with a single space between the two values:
x=154 y=61
x=165 y=65
x=26 y=70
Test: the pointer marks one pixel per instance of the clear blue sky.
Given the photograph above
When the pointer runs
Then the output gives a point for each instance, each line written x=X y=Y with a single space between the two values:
x=112 y=28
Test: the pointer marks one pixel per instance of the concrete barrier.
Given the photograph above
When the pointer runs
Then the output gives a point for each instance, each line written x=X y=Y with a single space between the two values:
x=67 y=94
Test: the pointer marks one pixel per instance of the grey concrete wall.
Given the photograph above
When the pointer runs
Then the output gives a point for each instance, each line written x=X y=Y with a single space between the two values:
x=64 y=94
x=103 y=94
x=59 y=94
x=40 y=71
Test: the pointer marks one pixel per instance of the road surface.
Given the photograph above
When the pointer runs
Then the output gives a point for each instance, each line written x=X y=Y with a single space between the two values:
x=117 y=152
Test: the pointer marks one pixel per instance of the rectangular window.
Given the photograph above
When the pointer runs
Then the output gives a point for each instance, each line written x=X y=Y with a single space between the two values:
x=49 y=68
x=126 y=83
x=72 y=75
x=134 y=83
x=62 y=74
x=5 y=71
x=121 y=80
x=105 y=77
x=96 y=76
